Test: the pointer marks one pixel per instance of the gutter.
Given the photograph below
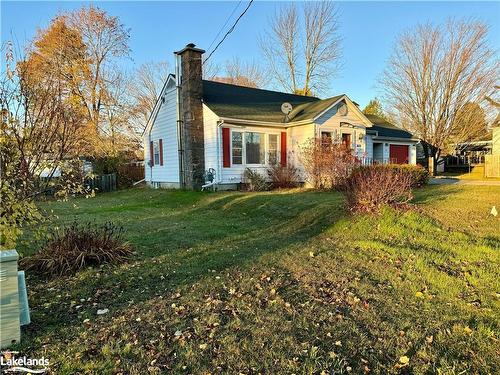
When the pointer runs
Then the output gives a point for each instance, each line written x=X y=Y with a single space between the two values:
x=237 y=121
x=396 y=139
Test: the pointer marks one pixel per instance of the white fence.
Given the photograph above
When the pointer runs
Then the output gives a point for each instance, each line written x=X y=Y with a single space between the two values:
x=369 y=161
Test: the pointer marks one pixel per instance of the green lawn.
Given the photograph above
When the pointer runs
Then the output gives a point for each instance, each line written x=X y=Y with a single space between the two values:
x=476 y=173
x=280 y=282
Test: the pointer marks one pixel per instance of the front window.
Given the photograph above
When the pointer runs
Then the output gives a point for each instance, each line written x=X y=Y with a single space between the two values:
x=255 y=148
x=273 y=149
x=326 y=138
x=156 y=152
x=237 y=147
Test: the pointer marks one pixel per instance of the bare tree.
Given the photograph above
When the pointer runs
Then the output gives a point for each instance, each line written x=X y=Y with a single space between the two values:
x=144 y=89
x=241 y=73
x=106 y=39
x=303 y=59
x=434 y=73
x=121 y=135
x=211 y=69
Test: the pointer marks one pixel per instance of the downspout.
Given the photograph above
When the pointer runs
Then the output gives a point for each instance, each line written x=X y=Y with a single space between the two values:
x=219 y=162
x=180 y=149
x=150 y=163
x=218 y=168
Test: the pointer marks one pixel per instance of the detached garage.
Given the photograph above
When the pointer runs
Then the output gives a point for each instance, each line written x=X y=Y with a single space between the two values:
x=399 y=154
x=391 y=144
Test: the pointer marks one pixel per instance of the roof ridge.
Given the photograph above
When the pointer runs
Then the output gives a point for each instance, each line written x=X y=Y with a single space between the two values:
x=259 y=89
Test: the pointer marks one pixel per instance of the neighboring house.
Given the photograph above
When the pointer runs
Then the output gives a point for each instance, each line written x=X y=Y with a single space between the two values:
x=198 y=125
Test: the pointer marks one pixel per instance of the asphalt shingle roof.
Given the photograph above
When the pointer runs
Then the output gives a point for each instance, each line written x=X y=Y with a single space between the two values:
x=386 y=129
x=253 y=104
x=248 y=103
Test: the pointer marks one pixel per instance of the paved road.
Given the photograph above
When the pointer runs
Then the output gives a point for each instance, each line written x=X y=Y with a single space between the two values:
x=457 y=181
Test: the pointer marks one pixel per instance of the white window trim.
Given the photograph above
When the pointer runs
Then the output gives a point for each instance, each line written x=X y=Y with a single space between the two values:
x=156 y=145
x=244 y=164
x=278 y=148
x=242 y=147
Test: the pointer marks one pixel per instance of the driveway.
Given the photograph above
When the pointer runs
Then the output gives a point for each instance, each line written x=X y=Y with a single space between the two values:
x=457 y=181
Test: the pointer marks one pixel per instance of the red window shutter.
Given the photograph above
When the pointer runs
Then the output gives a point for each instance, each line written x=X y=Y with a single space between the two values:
x=151 y=153
x=161 y=151
x=283 y=149
x=226 y=148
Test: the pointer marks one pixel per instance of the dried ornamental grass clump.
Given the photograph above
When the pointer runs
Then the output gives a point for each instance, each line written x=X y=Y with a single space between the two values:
x=79 y=246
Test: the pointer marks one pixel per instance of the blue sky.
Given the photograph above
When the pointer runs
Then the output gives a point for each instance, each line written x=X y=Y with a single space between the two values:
x=368 y=30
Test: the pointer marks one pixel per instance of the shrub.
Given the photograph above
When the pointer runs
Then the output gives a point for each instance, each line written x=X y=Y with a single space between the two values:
x=327 y=164
x=283 y=176
x=255 y=181
x=79 y=246
x=419 y=175
x=368 y=188
x=126 y=173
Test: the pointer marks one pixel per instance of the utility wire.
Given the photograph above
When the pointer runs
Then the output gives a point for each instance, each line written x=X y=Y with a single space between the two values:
x=229 y=31
x=223 y=26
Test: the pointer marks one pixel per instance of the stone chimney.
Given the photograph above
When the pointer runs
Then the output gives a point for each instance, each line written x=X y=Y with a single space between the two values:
x=192 y=143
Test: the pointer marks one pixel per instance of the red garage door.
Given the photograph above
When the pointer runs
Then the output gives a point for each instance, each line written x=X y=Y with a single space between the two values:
x=399 y=154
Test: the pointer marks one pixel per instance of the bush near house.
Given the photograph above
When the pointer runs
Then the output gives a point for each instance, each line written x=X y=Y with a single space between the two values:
x=419 y=175
x=283 y=177
x=327 y=164
x=78 y=246
x=126 y=172
x=255 y=181
x=369 y=188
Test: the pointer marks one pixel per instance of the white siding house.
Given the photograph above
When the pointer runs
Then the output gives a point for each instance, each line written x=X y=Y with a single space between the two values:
x=162 y=159
x=245 y=128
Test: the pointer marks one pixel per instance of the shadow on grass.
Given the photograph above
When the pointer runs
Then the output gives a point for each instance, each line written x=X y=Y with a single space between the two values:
x=177 y=249
x=433 y=193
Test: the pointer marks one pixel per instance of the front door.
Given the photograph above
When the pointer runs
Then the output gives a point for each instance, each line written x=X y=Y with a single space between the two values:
x=399 y=154
x=346 y=140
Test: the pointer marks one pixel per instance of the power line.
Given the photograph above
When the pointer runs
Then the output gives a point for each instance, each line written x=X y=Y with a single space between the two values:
x=225 y=24
x=229 y=31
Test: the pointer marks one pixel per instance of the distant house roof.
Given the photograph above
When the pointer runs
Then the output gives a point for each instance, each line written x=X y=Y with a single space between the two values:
x=248 y=103
x=386 y=129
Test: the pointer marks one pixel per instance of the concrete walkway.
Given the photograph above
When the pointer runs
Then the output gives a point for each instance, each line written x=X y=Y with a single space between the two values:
x=457 y=181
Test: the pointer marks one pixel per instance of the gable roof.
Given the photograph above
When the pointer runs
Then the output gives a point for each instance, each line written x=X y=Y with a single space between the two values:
x=248 y=103
x=307 y=111
x=156 y=108
x=252 y=104
x=386 y=129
